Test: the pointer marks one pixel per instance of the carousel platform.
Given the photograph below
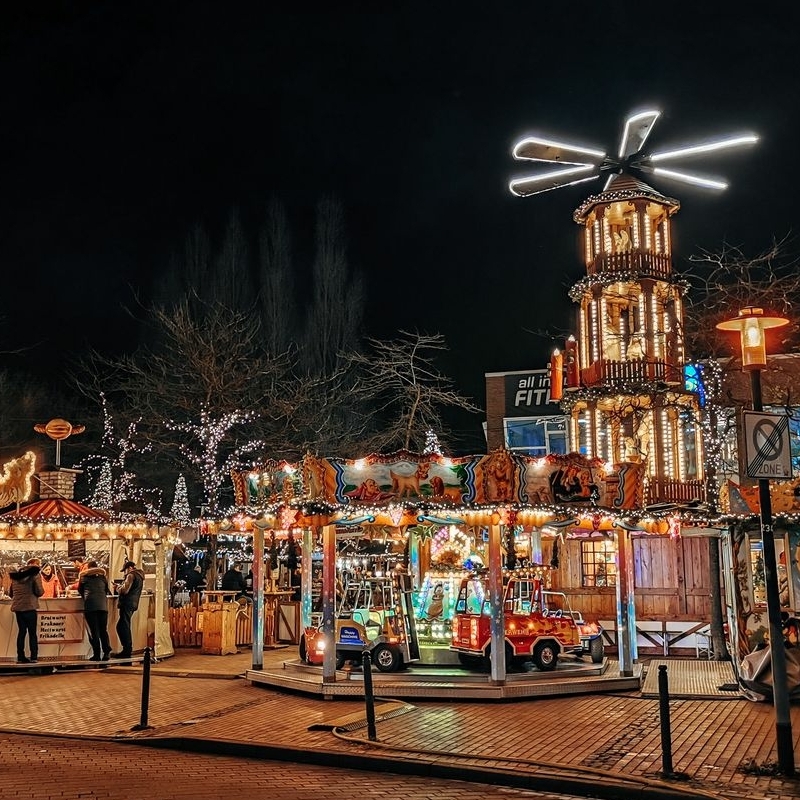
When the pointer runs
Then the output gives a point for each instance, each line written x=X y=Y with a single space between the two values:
x=450 y=682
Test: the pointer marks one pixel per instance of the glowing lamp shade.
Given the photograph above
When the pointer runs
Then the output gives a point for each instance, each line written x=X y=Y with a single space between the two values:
x=556 y=375
x=751 y=324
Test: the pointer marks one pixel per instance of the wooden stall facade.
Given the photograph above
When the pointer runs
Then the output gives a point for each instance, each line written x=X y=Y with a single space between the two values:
x=672 y=588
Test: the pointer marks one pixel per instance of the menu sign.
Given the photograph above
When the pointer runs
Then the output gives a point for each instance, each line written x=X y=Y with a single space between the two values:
x=76 y=548
x=62 y=627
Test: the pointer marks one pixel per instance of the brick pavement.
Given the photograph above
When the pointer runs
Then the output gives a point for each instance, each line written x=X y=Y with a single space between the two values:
x=609 y=744
x=46 y=768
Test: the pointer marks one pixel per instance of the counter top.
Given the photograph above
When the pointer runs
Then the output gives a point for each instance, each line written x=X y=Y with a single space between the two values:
x=7 y=599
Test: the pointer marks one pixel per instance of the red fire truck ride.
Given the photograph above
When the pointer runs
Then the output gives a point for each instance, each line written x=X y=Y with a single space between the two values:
x=539 y=625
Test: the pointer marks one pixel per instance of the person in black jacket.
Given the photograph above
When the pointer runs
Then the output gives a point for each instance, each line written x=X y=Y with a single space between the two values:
x=127 y=602
x=233 y=580
x=194 y=579
x=26 y=589
x=93 y=588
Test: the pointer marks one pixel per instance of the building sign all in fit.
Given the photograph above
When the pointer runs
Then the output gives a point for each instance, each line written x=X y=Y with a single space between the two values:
x=528 y=394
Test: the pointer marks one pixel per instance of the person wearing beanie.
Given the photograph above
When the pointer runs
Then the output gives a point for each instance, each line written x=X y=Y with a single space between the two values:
x=93 y=588
x=127 y=602
x=26 y=589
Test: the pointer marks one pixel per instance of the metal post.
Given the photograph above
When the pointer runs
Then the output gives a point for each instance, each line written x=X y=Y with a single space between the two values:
x=369 y=696
x=780 y=687
x=257 y=660
x=329 y=603
x=145 y=692
x=666 y=732
x=497 y=625
x=626 y=610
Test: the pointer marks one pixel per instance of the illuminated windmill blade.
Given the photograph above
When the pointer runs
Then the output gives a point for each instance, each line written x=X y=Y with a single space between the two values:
x=688 y=177
x=710 y=147
x=535 y=149
x=536 y=184
x=637 y=129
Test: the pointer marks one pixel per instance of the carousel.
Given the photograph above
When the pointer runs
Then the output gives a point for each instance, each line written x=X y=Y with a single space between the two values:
x=410 y=549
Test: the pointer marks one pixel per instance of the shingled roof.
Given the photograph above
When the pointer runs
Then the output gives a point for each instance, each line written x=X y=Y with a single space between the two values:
x=624 y=187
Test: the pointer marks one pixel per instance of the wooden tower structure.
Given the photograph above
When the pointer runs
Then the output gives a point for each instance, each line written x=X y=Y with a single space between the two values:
x=624 y=371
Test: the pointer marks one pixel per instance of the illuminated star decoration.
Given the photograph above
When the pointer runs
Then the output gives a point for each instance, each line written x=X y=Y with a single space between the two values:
x=585 y=164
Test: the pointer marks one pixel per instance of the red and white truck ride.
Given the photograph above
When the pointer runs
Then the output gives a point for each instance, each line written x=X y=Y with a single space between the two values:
x=539 y=625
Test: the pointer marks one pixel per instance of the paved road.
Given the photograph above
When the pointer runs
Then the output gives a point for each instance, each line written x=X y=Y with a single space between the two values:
x=49 y=768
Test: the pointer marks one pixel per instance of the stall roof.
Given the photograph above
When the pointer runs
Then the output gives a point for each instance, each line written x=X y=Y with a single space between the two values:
x=53 y=509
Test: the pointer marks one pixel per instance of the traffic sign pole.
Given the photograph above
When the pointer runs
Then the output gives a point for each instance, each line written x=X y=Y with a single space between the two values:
x=780 y=686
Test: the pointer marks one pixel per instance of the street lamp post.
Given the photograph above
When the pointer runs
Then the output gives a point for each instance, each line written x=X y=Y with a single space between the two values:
x=751 y=324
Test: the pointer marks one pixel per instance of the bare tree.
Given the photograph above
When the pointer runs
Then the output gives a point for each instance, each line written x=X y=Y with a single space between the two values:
x=722 y=283
x=232 y=282
x=719 y=285
x=406 y=391
x=334 y=318
x=204 y=276
x=277 y=300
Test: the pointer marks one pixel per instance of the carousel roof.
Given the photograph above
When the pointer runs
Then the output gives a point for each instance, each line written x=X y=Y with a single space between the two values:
x=53 y=509
x=624 y=187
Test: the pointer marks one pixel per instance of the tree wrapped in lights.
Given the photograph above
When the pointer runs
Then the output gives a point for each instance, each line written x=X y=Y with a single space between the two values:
x=432 y=446
x=117 y=485
x=181 y=511
x=103 y=497
x=204 y=450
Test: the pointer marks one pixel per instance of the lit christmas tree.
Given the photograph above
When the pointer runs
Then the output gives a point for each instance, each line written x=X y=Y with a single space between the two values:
x=207 y=448
x=181 y=511
x=117 y=483
x=432 y=446
x=103 y=495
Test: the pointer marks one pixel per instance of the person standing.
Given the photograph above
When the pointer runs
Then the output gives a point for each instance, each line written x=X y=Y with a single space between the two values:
x=127 y=602
x=80 y=565
x=50 y=582
x=233 y=581
x=93 y=588
x=26 y=589
x=194 y=579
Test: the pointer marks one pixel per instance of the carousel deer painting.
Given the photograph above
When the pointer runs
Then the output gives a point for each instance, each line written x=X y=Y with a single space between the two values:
x=409 y=485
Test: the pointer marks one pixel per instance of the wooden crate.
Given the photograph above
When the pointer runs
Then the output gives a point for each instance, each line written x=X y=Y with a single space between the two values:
x=219 y=628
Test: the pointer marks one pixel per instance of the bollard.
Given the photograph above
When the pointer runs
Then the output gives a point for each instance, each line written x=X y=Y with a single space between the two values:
x=369 y=697
x=666 y=734
x=145 y=692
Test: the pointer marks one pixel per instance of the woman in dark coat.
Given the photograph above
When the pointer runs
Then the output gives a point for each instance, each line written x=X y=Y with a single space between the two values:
x=93 y=588
x=26 y=589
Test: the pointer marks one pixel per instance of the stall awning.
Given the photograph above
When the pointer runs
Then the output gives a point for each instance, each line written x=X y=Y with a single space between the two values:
x=51 y=510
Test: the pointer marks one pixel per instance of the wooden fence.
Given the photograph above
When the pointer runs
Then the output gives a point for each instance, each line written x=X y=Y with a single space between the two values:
x=185 y=627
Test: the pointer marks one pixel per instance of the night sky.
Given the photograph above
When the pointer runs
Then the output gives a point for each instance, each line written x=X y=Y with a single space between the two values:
x=126 y=124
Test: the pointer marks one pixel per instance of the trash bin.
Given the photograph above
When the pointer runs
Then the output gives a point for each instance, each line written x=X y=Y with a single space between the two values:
x=219 y=623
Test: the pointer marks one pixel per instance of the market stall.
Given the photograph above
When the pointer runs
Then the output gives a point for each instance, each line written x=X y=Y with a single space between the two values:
x=62 y=532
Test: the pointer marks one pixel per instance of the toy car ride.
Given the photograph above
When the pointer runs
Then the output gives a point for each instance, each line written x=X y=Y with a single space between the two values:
x=539 y=626
x=374 y=616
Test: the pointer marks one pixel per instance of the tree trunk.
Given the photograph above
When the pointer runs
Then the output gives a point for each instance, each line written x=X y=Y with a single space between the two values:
x=719 y=645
